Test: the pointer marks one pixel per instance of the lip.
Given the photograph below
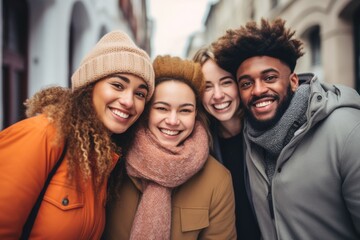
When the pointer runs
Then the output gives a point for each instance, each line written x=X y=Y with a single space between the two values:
x=220 y=107
x=263 y=106
x=172 y=133
x=119 y=114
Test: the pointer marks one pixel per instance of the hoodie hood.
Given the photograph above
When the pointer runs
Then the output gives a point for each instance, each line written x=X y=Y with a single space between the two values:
x=325 y=98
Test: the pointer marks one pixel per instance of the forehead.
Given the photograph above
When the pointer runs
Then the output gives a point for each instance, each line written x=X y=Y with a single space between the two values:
x=258 y=64
x=174 y=91
x=133 y=78
x=212 y=71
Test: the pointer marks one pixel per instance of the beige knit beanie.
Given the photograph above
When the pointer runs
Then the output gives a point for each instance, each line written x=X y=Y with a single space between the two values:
x=114 y=53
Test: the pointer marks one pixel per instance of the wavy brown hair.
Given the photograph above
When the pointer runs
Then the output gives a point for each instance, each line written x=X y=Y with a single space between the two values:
x=90 y=146
x=267 y=39
x=202 y=56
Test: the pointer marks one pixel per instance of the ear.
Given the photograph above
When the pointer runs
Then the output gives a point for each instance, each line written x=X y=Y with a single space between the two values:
x=294 y=81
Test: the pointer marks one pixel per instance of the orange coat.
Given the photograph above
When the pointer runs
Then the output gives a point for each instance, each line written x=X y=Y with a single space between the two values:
x=202 y=208
x=27 y=155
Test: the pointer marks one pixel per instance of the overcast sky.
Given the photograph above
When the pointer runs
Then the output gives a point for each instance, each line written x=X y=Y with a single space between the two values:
x=174 y=21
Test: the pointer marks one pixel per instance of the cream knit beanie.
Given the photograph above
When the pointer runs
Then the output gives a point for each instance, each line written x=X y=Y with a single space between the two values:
x=114 y=53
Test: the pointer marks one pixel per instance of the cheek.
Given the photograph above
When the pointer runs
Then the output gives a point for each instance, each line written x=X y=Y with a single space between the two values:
x=190 y=123
x=233 y=92
x=97 y=102
x=244 y=97
x=206 y=100
x=140 y=105
x=206 y=97
x=153 y=119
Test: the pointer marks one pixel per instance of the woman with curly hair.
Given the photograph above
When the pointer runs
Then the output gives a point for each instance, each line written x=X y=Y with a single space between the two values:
x=221 y=100
x=88 y=124
x=173 y=188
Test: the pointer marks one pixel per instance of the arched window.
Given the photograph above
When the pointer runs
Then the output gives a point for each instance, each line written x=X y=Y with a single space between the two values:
x=273 y=3
x=14 y=63
x=79 y=23
x=314 y=40
x=357 y=48
x=315 y=46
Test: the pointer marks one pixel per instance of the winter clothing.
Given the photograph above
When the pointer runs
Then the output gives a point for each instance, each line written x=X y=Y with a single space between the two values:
x=314 y=191
x=233 y=159
x=177 y=68
x=275 y=139
x=27 y=155
x=114 y=53
x=159 y=172
x=202 y=208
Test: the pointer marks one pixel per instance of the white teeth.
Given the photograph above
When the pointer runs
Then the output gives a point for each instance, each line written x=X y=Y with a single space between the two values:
x=221 y=105
x=263 y=104
x=169 y=132
x=120 y=114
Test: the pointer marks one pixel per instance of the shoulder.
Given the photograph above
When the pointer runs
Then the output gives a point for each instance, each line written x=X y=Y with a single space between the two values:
x=343 y=121
x=212 y=176
x=39 y=123
x=215 y=168
x=32 y=135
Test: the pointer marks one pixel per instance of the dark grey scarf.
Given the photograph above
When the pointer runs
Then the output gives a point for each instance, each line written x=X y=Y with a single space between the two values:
x=273 y=140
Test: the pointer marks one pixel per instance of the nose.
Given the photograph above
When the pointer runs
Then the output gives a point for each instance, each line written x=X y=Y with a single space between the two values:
x=259 y=88
x=172 y=119
x=218 y=93
x=126 y=99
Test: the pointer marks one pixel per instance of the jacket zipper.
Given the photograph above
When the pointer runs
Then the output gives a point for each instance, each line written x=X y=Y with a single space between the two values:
x=270 y=201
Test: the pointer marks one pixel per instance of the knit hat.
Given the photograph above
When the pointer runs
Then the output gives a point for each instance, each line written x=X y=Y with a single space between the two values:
x=114 y=53
x=177 y=68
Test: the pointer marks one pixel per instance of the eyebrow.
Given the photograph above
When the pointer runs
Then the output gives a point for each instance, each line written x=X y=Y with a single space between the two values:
x=127 y=80
x=182 y=105
x=225 y=77
x=262 y=72
x=222 y=78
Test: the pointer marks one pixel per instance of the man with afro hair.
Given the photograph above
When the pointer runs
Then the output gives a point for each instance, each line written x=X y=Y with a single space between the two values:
x=302 y=137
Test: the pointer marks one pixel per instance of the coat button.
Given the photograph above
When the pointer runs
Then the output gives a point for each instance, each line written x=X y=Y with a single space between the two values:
x=65 y=201
x=279 y=170
x=319 y=98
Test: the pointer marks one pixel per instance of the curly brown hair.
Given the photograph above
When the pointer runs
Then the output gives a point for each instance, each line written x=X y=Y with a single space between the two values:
x=269 y=39
x=90 y=146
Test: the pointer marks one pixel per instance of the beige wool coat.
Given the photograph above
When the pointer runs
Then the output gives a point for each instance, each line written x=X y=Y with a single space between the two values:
x=202 y=208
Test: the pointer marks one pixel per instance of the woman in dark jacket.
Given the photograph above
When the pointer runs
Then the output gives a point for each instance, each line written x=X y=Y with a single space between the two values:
x=222 y=102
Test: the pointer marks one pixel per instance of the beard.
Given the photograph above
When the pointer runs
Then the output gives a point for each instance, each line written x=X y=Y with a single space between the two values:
x=263 y=125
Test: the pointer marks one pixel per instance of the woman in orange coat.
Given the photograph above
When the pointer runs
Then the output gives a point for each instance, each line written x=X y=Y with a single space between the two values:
x=173 y=189
x=109 y=91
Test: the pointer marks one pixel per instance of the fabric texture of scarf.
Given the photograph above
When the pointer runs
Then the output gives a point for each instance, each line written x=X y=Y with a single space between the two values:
x=162 y=168
x=276 y=138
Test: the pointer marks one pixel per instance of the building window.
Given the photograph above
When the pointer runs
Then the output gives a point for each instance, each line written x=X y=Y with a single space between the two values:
x=14 y=62
x=315 y=46
x=274 y=3
x=357 y=48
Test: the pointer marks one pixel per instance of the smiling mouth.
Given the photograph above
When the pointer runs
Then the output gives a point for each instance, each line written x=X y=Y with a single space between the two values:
x=263 y=104
x=120 y=113
x=221 y=106
x=169 y=132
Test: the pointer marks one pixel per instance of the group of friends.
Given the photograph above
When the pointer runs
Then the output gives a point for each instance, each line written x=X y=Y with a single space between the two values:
x=232 y=144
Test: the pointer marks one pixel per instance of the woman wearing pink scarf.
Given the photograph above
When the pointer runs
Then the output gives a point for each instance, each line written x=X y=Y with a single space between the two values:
x=171 y=187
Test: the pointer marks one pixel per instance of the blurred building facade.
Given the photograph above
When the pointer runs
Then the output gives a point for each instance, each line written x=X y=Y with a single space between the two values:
x=330 y=30
x=43 y=42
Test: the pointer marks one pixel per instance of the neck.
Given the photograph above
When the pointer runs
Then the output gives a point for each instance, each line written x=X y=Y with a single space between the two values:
x=230 y=128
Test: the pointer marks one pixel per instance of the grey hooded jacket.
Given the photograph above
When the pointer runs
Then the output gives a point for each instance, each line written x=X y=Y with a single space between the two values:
x=316 y=185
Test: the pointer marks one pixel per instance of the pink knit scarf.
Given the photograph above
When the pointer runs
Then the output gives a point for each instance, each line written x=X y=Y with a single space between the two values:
x=162 y=168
